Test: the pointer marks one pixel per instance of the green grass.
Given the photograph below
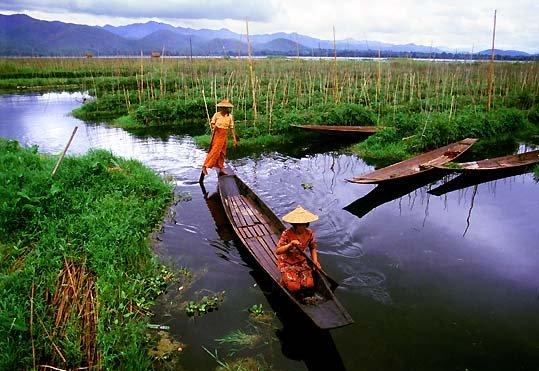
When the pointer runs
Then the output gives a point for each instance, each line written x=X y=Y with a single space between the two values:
x=97 y=212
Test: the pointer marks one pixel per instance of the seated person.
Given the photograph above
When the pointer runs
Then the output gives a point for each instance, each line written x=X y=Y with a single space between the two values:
x=296 y=272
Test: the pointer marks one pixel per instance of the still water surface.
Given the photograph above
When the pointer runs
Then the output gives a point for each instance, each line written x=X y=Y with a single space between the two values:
x=434 y=281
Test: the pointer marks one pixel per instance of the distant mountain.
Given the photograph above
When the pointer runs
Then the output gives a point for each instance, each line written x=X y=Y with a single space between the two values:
x=282 y=46
x=505 y=53
x=137 y=31
x=22 y=35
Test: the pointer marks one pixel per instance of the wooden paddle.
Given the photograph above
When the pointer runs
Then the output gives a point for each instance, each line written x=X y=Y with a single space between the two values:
x=332 y=283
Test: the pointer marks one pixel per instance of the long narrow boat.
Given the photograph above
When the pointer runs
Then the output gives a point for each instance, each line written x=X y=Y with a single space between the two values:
x=416 y=165
x=494 y=164
x=259 y=229
x=340 y=129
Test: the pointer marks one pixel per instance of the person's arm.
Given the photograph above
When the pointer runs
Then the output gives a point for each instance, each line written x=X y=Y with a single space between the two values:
x=284 y=245
x=314 y=254
x=213 y=121
x=287 y=247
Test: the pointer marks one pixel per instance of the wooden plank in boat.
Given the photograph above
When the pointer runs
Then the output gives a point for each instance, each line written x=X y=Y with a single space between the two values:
x=242 y=222
x=265 y=260
x=248 y=232
x=241 y=209
x=267 y=250
x=270 y=243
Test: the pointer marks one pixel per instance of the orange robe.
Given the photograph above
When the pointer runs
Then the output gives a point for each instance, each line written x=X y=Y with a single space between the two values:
x=216 y=155
x=295 y=270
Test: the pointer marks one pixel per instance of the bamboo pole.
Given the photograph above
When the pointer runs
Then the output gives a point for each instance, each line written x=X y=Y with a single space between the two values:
x=491 y=66
x=63 y=153
x=251 y=73
x=335 y=79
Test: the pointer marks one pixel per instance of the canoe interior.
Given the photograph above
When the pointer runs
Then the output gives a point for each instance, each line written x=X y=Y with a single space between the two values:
x=498 y=163
x=340 y=129
x=259 y=230
x=416 y=165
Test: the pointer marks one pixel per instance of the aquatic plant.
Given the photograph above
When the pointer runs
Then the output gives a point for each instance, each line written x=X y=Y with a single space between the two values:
x=240 y=338
x=205 y=305
x=256 y=310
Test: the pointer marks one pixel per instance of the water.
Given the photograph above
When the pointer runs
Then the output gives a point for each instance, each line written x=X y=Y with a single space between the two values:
x=444 y=282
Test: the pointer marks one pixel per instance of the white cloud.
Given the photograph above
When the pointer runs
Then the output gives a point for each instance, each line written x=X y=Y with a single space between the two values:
x=185 y=9
x=457 y=24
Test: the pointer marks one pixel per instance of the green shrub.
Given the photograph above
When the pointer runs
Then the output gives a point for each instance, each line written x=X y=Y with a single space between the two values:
x=533 y=115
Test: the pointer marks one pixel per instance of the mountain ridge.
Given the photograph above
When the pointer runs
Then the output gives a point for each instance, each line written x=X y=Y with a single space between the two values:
x=22 y=35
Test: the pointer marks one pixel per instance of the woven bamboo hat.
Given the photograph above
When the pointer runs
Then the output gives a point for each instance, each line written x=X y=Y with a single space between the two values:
x=299 y=216
x=225 y=103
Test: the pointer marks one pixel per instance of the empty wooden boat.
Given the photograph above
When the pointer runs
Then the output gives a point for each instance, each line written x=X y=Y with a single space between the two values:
x=416 y=165
x=340 y=129
x=494 y=164
x=259 y=229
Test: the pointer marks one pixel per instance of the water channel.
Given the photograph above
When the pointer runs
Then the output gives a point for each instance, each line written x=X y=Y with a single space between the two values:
x=435 y=278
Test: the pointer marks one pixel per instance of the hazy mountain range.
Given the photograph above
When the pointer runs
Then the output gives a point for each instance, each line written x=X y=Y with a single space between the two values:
x=21 y=35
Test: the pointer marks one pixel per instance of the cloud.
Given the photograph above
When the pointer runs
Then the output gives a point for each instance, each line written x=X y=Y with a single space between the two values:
x=184 y=9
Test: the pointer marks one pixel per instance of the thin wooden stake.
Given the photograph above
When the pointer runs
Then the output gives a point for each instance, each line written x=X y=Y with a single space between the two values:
x=64 y=152
x=251 y=73
x=32 y=326
x=491 y=66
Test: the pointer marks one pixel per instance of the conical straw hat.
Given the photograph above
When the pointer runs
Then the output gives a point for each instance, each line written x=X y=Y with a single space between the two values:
x=300 y=215
x=225 y=103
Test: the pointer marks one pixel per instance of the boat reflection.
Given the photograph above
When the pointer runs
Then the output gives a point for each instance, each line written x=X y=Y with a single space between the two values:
x=217 y=212
x=384 y=193
x=472 y=179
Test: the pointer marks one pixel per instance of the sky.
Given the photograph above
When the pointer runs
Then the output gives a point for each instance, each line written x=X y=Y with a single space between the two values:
x=457 y=24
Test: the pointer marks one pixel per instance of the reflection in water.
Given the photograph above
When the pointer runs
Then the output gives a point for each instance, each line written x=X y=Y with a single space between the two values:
x=383 y=193
x=468 y=180
x=223 y=229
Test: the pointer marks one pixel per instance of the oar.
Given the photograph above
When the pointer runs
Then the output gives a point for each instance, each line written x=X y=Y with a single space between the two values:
x=332 y=283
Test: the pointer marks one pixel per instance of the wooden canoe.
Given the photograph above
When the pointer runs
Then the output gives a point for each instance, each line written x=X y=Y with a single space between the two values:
x=495 y=164
x=259 y=229
x=416 y=165
x=340 y=129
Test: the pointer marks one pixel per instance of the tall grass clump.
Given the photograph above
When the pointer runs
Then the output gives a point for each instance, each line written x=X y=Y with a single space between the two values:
x=77 y=275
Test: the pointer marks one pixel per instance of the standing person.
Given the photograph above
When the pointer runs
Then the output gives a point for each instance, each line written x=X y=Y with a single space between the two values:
x=221 y=121
x=297 y=275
